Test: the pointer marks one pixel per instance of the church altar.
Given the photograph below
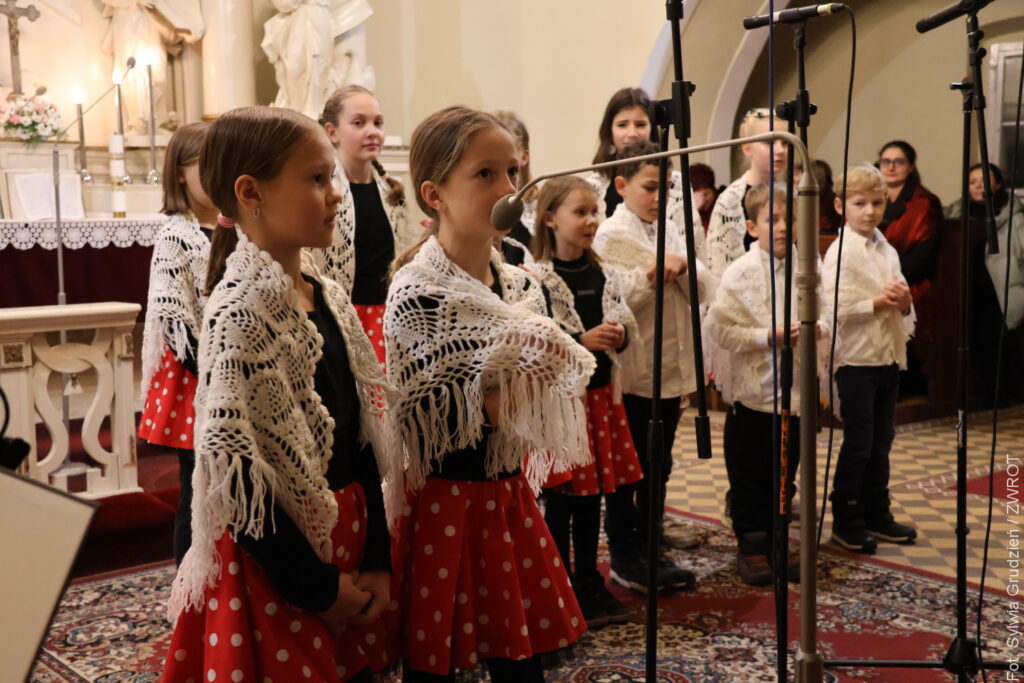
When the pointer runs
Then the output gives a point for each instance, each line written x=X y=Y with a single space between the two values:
x=105 y=259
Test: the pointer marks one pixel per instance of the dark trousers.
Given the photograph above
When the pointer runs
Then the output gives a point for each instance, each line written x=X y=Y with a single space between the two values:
x=627 y=509
x=183 y=517
x=867 y=405
x=501 y=671
x=578 y=517
x=749 y=454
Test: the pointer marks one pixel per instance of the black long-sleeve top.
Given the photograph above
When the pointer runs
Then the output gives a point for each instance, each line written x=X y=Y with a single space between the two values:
x=292 y=564
x=586 y=282
x=374 y=244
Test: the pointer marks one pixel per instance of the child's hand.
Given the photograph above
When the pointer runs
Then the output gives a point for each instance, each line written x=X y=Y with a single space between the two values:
x=604 y=337
x=378 y=585
x=884 y=301
x=675 y=265
x=780 y=331
x=899 y=292
x=351 y=601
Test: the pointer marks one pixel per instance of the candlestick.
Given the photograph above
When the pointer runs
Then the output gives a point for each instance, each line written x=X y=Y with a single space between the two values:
x=118 y=199
x=152 y=177
x=83 y=168
x=117 y=76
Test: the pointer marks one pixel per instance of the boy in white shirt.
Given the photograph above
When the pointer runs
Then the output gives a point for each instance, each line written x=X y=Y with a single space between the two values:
x=876 y=318
x=626 y=240
x=741 y=341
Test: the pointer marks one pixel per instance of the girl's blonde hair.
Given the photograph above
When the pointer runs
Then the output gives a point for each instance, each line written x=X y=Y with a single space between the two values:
x=553 y=194
x=522 y=136
x=183 y=150
x=436 y=148
x=332 y=113
x=748 y=120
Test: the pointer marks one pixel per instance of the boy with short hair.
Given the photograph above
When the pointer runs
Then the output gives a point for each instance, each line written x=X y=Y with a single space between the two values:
x=626 y=240
x=875 y=320
x=741 y=342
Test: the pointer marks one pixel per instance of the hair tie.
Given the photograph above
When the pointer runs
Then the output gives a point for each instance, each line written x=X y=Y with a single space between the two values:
x=224 y=222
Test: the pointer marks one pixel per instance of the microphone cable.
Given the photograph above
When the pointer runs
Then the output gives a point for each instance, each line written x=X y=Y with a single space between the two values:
x=835 y=295
x=999 y=372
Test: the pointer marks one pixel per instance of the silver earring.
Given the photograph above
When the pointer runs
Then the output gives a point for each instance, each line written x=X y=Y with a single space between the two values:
x=256 y=212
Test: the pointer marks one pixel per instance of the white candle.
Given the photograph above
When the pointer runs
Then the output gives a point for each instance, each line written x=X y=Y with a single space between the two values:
x=116 y=144
x=119 y=203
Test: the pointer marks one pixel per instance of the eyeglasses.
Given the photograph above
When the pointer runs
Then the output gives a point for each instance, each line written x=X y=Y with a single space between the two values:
x=893 y=162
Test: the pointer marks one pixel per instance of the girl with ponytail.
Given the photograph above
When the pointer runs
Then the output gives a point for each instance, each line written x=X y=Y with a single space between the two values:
x=372 y=224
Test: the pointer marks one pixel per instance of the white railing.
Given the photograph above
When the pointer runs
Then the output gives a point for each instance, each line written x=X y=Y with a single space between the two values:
x=27 y=361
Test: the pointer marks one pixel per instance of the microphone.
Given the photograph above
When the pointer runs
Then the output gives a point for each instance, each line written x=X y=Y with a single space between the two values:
x=957 y=9
x=794 y=15
x=130 y=64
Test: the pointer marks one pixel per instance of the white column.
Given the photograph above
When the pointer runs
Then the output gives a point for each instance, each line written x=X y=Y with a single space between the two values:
x=228 y=74
x=192 y=80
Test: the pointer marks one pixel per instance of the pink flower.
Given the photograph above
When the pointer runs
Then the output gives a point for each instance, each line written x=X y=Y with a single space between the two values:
x=40 y=105
x=15 y=119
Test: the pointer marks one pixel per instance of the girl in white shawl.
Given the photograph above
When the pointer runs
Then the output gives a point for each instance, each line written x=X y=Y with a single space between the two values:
x=289 y=566
x=174 y=310
x=485 y=378
x=372 y=224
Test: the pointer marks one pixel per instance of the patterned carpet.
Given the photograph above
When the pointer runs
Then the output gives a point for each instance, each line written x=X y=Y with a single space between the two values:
x=113 y=629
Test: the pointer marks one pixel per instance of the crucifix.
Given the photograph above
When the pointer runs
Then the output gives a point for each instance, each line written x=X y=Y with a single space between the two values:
x=14 y=13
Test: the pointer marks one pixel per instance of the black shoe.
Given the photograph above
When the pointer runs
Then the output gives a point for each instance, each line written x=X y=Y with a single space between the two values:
x=754 y=570
x=592 y=607
x=855 y=539
x=630 y=572
x=893 y=532
x=616 y=610
x=848 y=529
x=673 y=577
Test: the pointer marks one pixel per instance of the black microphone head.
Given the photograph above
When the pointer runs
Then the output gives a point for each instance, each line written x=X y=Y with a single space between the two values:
x=506 y=212
x=131 y=62
x=41 y=90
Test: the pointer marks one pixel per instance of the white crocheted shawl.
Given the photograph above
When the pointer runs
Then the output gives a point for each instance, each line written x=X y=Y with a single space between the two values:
x=727 y=228
x=674 y=211
x=451 y=340
x=174 y=306
x=861 y=279
x=256 y=405
x=743 y=300
x=613 y=306
x=338 y=261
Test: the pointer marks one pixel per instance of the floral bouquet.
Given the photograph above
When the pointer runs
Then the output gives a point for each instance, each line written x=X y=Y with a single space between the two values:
x=29 y=118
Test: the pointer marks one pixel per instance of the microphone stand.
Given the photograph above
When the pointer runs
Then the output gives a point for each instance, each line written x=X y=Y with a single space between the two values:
x=962 y=657
x=674 y=112
x=506 y=214
x=67 y=467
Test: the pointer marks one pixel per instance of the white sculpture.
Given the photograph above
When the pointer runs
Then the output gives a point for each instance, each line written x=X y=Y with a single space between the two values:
x=145 y=29
x=316 y=46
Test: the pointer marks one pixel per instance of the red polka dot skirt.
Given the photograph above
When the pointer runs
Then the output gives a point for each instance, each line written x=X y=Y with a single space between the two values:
x=372 y=319
x=247 y=632
x=615 y=459
x=169 y=415
x=482 y=577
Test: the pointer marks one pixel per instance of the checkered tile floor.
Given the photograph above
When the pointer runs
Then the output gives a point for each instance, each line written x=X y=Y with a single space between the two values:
x=923 y=460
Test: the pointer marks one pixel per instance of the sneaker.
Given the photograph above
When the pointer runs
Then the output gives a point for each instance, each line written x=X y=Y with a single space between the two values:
x=673 y=577
x=754 y=570
x=629 y=572
x=855 y=539
x=592 y=607
x=893 y=532
x=616 y=610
